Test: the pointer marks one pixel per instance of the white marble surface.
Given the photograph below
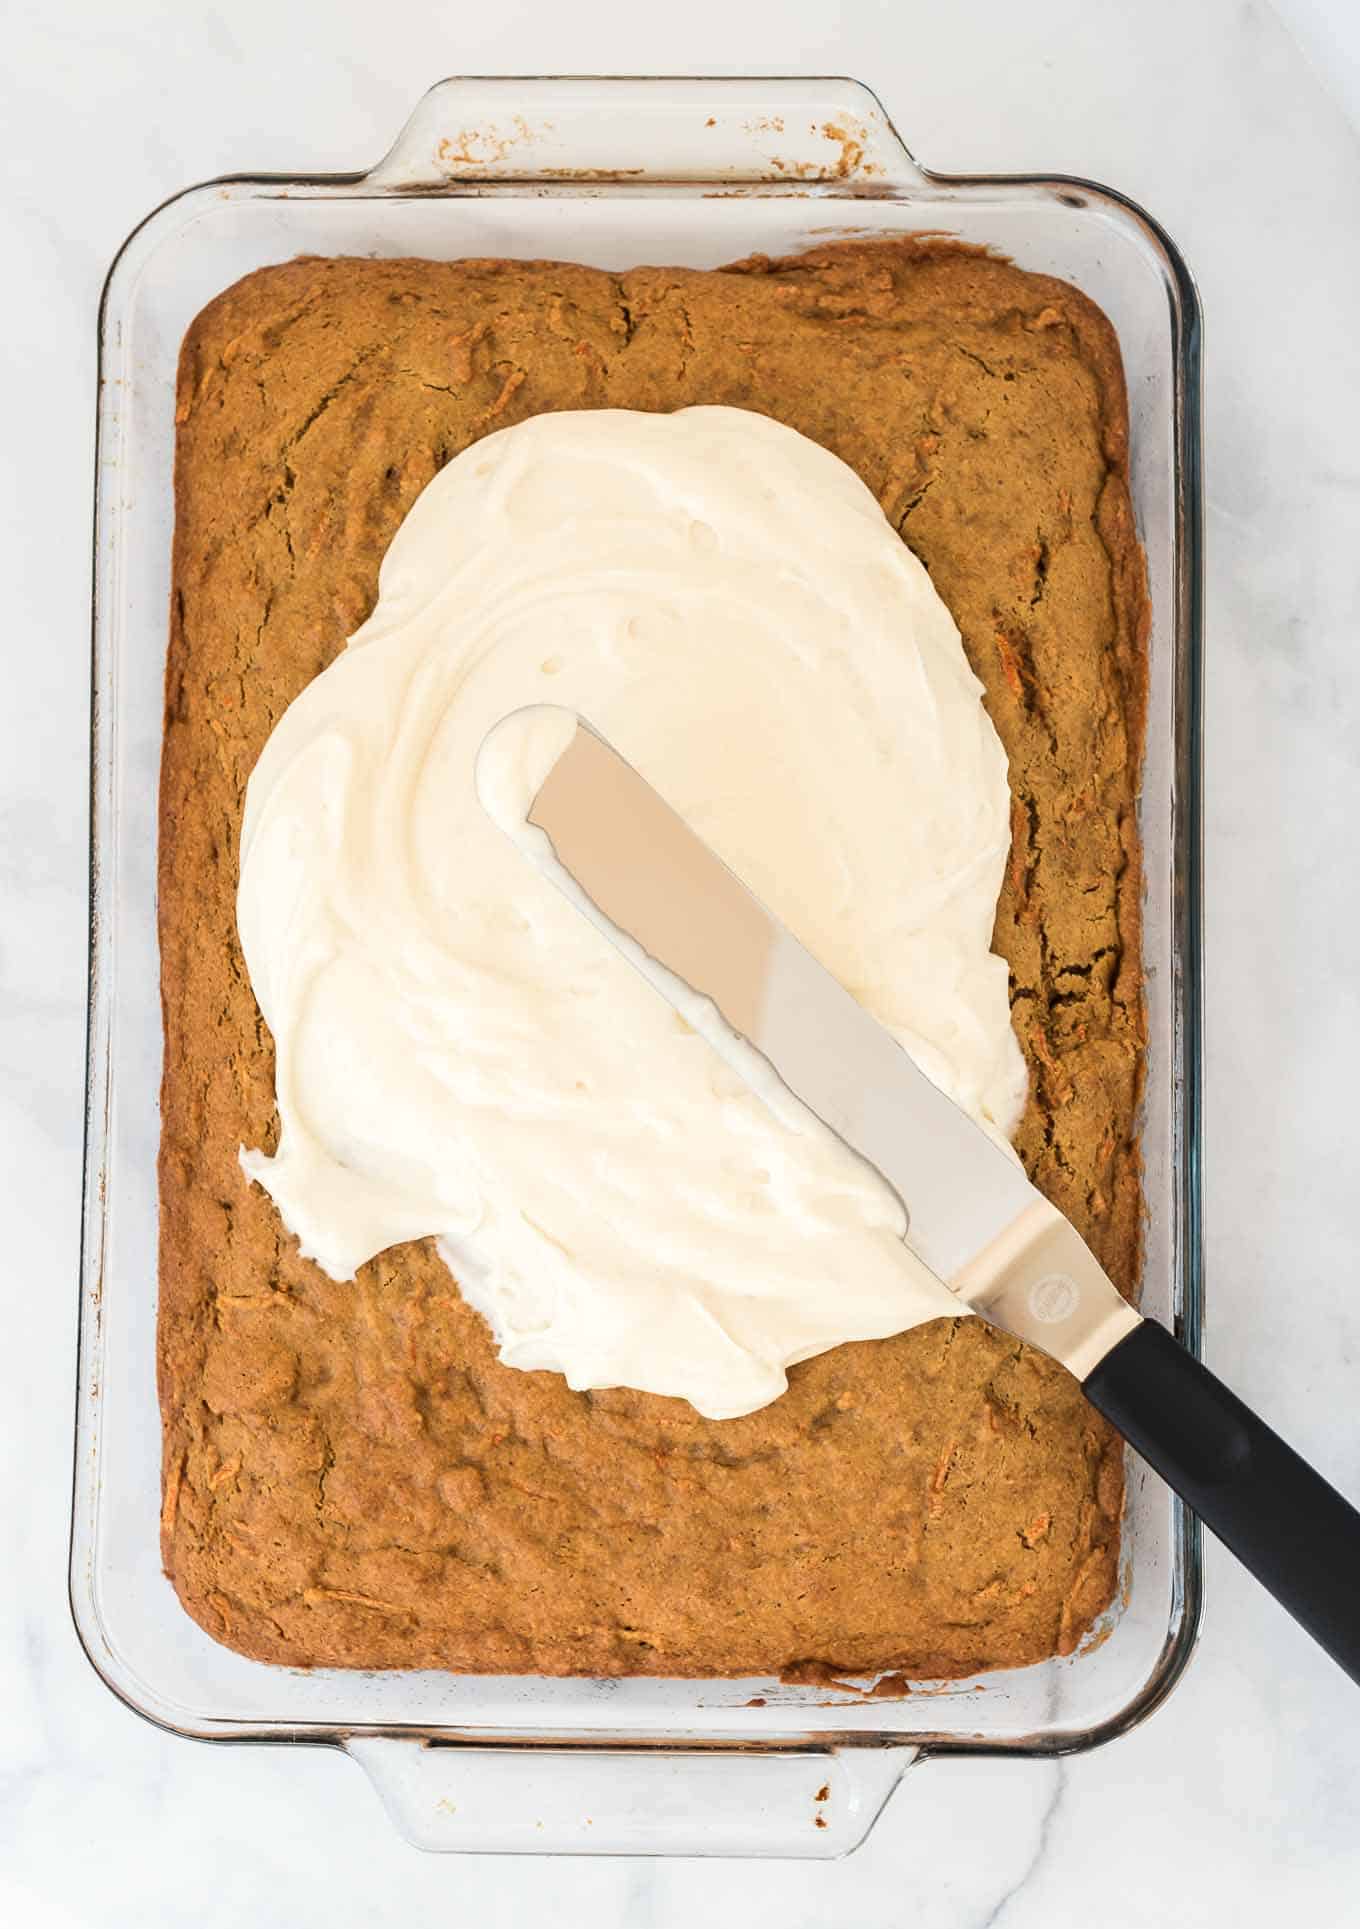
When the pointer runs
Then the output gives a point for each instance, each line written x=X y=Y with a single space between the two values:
x=1236 y=1801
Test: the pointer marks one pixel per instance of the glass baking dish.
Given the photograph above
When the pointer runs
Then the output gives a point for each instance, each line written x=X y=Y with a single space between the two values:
x=613 y=173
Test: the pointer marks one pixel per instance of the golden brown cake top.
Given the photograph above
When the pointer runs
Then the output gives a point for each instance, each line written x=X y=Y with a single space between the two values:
x=351 y=1476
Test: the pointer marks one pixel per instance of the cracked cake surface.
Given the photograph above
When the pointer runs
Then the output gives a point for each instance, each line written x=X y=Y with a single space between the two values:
x=350 y=1477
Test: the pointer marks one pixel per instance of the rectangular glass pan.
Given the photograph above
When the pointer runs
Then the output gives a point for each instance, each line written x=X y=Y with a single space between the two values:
x=611 y=173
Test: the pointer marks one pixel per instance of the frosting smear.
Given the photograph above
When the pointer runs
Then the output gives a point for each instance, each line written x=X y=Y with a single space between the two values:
x=460 y=1054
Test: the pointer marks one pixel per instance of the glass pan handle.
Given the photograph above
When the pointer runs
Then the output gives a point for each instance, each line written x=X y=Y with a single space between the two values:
x=816 y=1802
x=794 y=133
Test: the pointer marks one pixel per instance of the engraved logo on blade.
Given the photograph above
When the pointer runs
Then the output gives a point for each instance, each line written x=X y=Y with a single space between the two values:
x=1053 y=1299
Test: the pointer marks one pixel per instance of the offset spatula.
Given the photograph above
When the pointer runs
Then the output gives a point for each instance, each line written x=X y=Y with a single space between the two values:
x=973 y=1216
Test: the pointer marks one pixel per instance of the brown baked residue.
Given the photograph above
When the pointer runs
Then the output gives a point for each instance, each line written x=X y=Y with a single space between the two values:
x=350 y=1477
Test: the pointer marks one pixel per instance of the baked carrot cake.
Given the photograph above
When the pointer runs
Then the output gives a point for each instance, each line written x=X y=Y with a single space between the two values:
x=351 y=1477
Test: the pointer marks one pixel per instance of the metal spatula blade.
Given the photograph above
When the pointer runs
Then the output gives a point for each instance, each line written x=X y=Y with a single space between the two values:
x=646 y=870
x=657 y=883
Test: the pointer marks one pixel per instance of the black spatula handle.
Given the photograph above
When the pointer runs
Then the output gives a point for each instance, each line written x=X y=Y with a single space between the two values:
x=1281 y=1519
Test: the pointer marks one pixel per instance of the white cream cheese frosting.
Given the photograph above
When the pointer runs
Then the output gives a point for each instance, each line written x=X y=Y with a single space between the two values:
x=461 y=1054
